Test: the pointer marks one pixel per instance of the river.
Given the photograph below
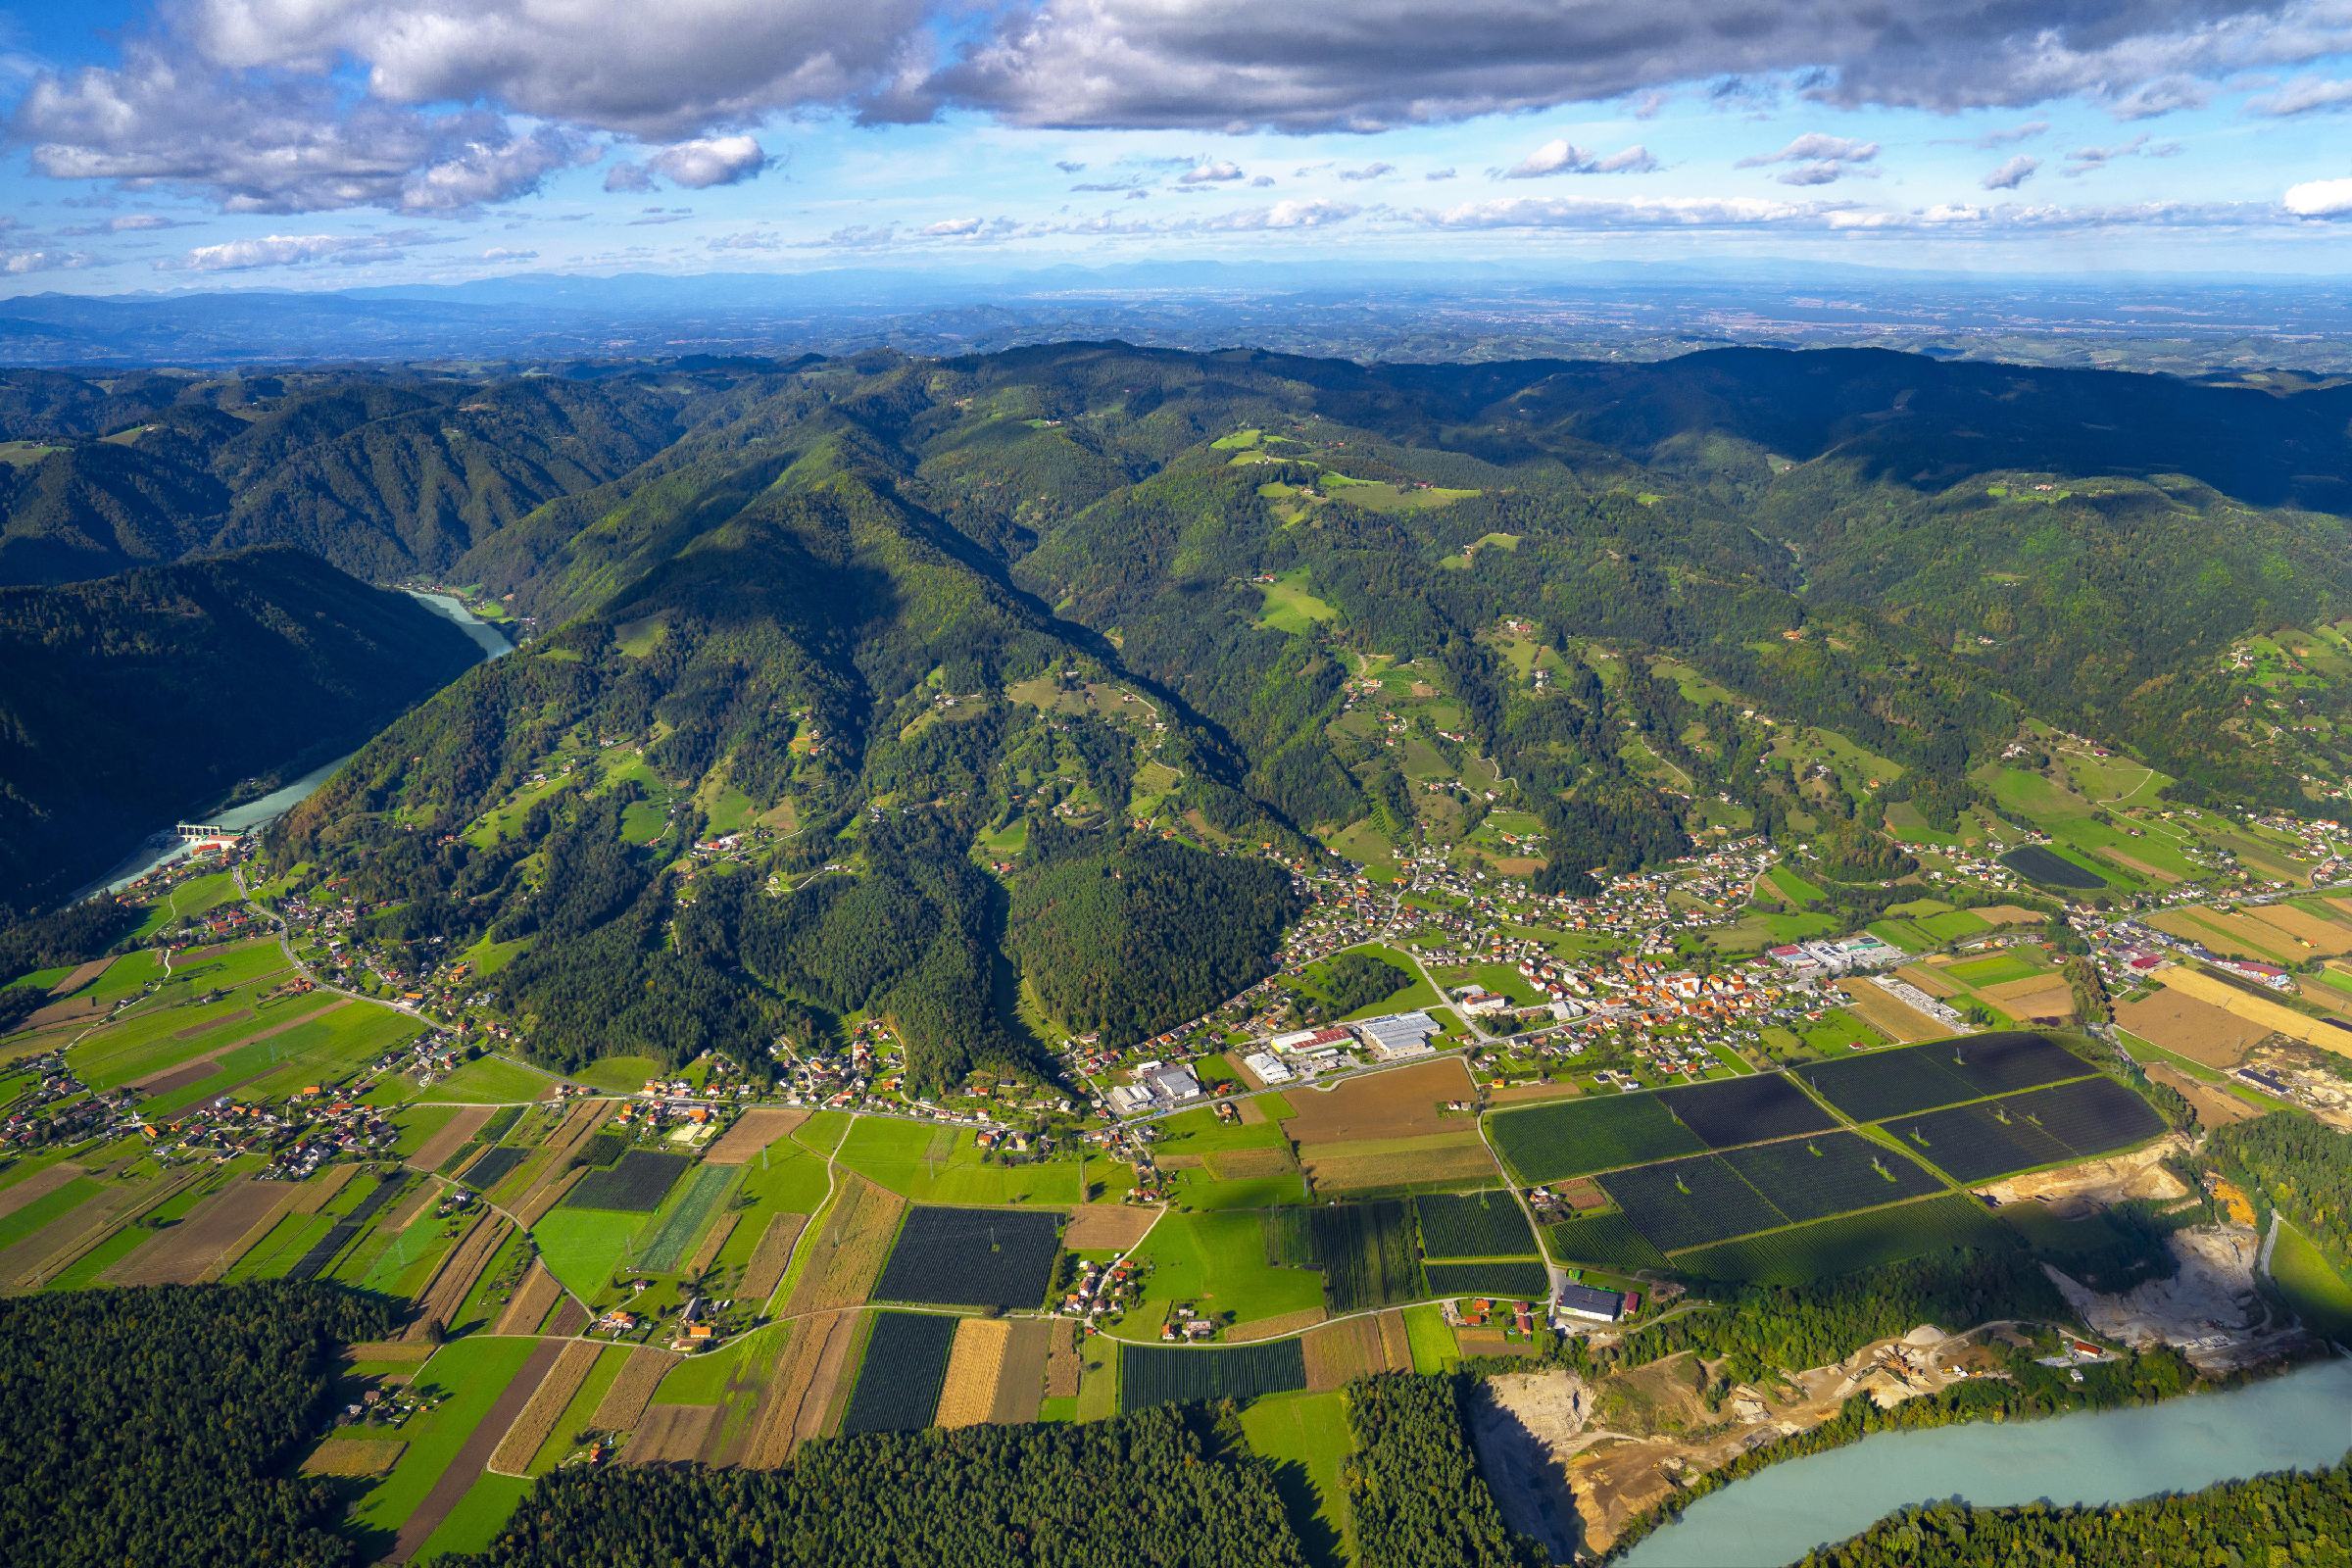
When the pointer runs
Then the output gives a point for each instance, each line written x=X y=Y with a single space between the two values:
x=162 y=847
x=2301 y=1420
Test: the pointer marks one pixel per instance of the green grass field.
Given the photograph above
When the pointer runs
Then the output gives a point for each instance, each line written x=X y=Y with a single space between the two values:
x=477 y=1518
x=945 y=1166
x=583 y=1246
x=1307 y=1436
x=1218 y=1263
x=475 y=1372
x=491 y=1081
x=1434 y=1349
x=2321 y=1297
x=1290 y=604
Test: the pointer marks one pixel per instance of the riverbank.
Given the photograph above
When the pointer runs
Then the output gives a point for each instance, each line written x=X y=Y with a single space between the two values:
x=2296 y=1420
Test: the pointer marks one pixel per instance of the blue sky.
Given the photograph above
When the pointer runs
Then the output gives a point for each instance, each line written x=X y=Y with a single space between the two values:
x=332 y=144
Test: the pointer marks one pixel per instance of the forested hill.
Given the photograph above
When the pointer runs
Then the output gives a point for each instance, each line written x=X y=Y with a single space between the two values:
x=136 y=697
x=907 y=634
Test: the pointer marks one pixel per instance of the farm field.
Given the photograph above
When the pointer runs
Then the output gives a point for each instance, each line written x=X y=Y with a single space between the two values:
x=637 y=1183
x=1517 y=1279
x=1609 y=1241
x=1830 y=1173
x=1548 y=1142
x=475 y=1373
x=1219 y=1263
x=2321 y=1297
x=1367 y=1253
x=1485 y=1224
x=972 y=1257
x=1981 y=1141
x=1152 y=1374
x=1828 y=1247
x=1746 y=1110
x=1685 y=1203
x=899 y=1380
x=945 y=1166
x=1890 y=1083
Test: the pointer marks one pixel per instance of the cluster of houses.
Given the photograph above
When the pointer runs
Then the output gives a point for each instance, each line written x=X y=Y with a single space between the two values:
x=1102 y=1291
x=1843 y=956
x=46 y=1111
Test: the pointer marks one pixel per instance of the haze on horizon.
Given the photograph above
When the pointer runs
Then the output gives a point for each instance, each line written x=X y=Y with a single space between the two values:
x=322 y=144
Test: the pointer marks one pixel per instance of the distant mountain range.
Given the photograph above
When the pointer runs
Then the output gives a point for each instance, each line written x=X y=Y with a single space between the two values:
x=1360 y=310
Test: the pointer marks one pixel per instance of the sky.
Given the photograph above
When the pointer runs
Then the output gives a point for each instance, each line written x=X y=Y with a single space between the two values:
x=178 y=144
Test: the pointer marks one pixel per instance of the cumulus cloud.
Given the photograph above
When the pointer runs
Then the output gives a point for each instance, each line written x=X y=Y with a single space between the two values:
x=501 y=253
x=1366 y=64
x=709 y=161
x=282 y=146
x=1215 y=172
x=657 y=72
x=127 y=223
x=2320 y=198
x=1562 y=157
x=2013 y=173
x=16 y=264
x=1815 y=147
x=1368 y=171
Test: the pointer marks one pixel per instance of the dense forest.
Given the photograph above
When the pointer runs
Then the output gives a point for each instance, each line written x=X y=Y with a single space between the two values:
x=2295 y=1517
x=141 y=697
x=1414 y=1484
x=154 y=1425
x=2300 y=1167
x=1138 y=938
x=1159 y=1489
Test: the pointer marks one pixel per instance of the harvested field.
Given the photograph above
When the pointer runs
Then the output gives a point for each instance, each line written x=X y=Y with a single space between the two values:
x=533 y=1206
x=847 y=1256
x=389 y=1350
x=671 y=1433
x=1062 y=1360
x=822 y=1400
x=1395 y=1340
x=623 y=1405
x=1107 y=1227
x=712 y=1241
x=753 y=1131
x=2188 y=1027
x=458 y=1270
x=1342 y=1168
x=793 y=1408
x=538 y=1293
x=454 y=1134
x=1022 y=1378
x=545 y=1407
x=1400 y=1103
x=466 y=1468
x=1889 y=1015
x=2327 y=938
x=79 y=976
x=196 y=1248
x=319 y=1191
x=968 y=1391
x=355 y=1456
x=1274 y=1327
x=569 y=1319
x=2040 y=999
x=39 y=1184
x=764 y=1269
x=2270 y=1015
x=1337 y=1353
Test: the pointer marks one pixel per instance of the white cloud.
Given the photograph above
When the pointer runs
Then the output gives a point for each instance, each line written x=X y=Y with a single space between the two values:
x=1562 y=157
x=710 y=161
x=501 y=253
x=2320 y=198
x=1216 y=172
x=2302 y=96
x=1815 y=147
x=2013 y=173
x=285 y=250
x=1368 y=171
x=16 y=264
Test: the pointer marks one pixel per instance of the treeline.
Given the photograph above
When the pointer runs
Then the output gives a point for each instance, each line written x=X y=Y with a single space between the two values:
x=1146 y=934
x=157 y=1425
x=1154 y=1490
x=2292 y=1517
x=2299 y=1166
x=1413 y=1482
